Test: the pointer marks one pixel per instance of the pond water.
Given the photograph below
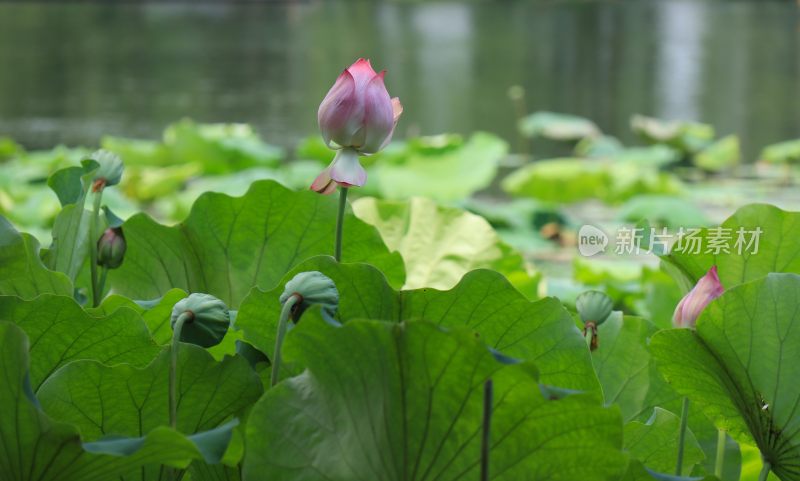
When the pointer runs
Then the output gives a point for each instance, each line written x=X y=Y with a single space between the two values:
x=72 y=73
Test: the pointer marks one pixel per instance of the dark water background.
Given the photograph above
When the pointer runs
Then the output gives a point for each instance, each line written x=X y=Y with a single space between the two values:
x=72 y=73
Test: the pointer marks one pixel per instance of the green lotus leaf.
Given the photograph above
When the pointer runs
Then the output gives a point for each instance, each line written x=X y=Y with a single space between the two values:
x=655 y=443
x=404 y=401
x=440 y=244
x=437 y=167
x=36 y=447
x=483 y=301
x=568 y=180
x=61 y=332
x=774 y=249
x=227 y=245
x=722 y=154
x=22 y=272
x=738 y=364
x=555 y=126
x=785 y=152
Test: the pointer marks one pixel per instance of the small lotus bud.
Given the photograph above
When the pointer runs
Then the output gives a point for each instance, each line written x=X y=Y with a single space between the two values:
x=594 y=306
x=111 y=248
x=313 y=288
x=689 y=308
x=207 y=321
x=109 y=169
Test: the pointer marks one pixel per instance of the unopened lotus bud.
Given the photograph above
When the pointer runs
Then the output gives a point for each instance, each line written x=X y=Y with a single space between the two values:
x=594 y=306
x=359 y=116
x=109 y=169
x=689 y=308
x=206 y=319
x=111 y=248
x=314 y=288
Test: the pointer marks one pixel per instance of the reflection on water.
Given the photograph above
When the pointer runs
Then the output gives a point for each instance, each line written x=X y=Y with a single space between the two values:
x=71 y=73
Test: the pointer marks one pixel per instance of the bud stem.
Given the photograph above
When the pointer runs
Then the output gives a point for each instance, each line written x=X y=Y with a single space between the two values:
x=93 y=238
x=173 y=367
x=337 y=253
x=682 y=435
x=488 y=394
x=720 y=461
x=590 y=335
x=764 y=474
x=283 y=323
x=103 y=275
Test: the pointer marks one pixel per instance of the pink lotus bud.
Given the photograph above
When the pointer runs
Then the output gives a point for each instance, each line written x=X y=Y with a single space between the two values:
x=358 y=112
x=111 y=248
x=706 y=290
x=359 y=117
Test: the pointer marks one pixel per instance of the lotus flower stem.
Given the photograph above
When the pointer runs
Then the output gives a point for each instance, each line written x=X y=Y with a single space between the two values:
x=173 y=367
x=101 y=285
x=283 y=323
x=337 y=253
x=93 y=237
x=682 y=435
x=488 y=393
x=764 y=474
x=720 y=461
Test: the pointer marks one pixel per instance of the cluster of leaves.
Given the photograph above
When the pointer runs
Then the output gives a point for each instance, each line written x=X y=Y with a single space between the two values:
x=432 y=305
x=392 y=386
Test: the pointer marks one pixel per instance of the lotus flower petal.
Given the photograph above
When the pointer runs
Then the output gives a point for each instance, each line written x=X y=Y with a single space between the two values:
x=689 y=308
x=378 y=115
x=346 y=170
x=341 y=113
x=323 y=184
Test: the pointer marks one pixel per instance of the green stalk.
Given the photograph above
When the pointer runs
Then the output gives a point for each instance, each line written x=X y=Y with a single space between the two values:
x=720 y=461
x=102 y=284
x=173 y=367
x=93 y=238
x=682 y=435
x=337 y=253
x=488 y=393
x=764 y=474
x=283 y=323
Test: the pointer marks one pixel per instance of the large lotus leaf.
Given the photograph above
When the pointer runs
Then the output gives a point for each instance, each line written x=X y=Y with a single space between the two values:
x=444 y=174
x=655 y=443
x=782 y=153
x=631 y=381
x=60 y=332
x=483 y=301
x=227 y=245
x=155 y=313
x=22 y=272
x=687 y=136
x=571 y=180
x=622 y=363
x=664 y=211
x=34 y=447
x=555 y=126
x=391 y=401
x=441 y=244
x=218 y=148
x=774 y=249
x=722 y=154
x=739 y=365
x=123 y=400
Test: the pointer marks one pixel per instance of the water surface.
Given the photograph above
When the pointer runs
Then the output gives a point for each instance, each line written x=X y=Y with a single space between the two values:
x=72 y=73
